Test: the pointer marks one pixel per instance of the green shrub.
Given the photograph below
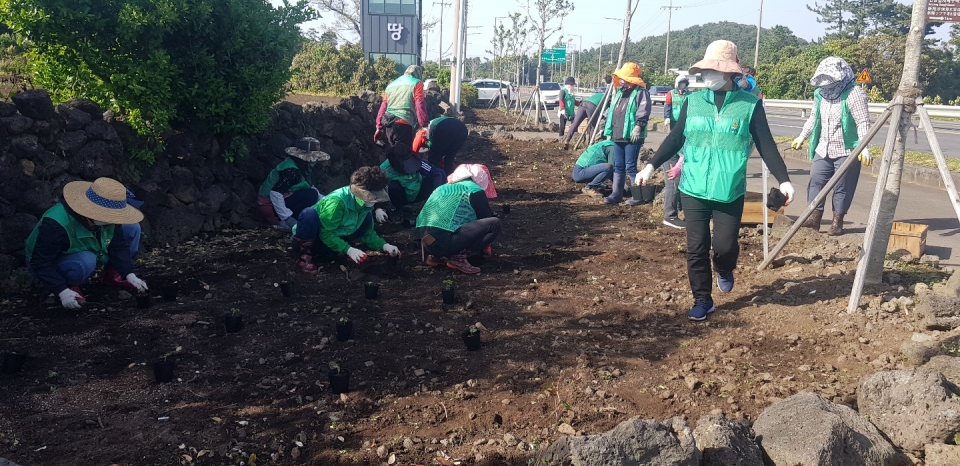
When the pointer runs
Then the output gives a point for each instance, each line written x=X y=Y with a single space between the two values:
x=468 y=95
x=443 y=78
x=160 y=63
x=320 y=68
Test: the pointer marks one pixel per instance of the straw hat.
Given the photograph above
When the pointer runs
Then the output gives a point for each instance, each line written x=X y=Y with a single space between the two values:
x=630 y=72
x=721 y=55
x=308 y=150
x=104 y=200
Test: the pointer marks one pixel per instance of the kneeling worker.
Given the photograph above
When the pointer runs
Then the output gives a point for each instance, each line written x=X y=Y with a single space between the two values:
x=456 y=220
x=594 y=166
x=93 y=226
x=289 y=187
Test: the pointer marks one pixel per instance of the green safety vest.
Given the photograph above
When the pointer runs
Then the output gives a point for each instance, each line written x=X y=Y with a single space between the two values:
x=410 y=182
x=448 y=208
x=848 y=126
x=400 y=98
x=595 y=99
x=631 y=116
x=353 y=213
x=718 y=144
x=274 y=176
x=81 y=238
x=676 y=101
x=594 y=154
x=569 y=103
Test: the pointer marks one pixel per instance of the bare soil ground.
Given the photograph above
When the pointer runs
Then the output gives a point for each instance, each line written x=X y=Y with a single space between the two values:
x=583 y=310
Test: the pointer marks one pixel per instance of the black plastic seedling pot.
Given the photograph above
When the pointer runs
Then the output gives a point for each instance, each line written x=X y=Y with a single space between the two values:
x=471 y=339
x=169 y=292
x=345 y=330
x=144 y=301
x=648 y=193
x=163 y=369
x=11 y=362
x=233 y=321
x=371 y=290
x=287 y=289
x=394 y=260
x=506 y=209
x=339 y=381
x=449 y=295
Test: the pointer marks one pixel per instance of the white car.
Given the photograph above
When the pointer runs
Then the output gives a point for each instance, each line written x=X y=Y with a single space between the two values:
x=550 y=93
x=490 y=90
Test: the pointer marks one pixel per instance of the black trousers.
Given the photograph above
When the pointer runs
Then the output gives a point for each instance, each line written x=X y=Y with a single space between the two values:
x=726 y=231
x=400 y=133
x=474 y=237
x=448 y=137
x=583 y=113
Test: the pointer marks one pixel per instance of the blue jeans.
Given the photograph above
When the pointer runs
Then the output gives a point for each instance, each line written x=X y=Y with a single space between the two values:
x=76 y=268
x=625 y=156
x=593 y=175
x=308 y=229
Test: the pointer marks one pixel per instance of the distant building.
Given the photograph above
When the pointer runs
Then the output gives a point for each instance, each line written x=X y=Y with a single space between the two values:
x=392 y=28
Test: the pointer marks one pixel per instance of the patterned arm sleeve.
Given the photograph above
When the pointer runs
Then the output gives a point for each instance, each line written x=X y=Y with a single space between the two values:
x=808 y=126
x=860 y=110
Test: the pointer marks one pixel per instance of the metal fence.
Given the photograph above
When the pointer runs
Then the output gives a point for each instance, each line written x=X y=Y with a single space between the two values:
x=941 y=111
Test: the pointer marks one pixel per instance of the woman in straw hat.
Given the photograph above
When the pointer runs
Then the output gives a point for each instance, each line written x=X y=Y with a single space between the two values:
x=627 y=127
x=289 y=187
x=343 y=216
x=719 y=126
x=81 y=233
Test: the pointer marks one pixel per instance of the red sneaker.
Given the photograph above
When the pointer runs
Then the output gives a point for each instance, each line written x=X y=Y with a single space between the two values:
x=112 y=278
x=459 y=262
x=433 y=261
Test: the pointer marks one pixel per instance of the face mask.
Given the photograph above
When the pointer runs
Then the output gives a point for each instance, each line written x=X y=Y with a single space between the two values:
x=99 y=223
x=368 y=204
x=713 y=79
x=682 y=87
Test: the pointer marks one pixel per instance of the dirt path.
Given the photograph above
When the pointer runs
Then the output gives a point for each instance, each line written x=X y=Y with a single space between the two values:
x=584 y=317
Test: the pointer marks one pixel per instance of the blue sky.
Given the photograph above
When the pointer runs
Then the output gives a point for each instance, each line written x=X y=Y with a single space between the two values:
x=588 y=20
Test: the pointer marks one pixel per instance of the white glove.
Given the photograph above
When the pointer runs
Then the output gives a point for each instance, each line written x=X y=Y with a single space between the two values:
x=560 y=113
x=644 y=175
x=380 y=215
x=787 y=190
x=391 y=249
x=635 y=135
x=70 y=299
x=356 y=255
x=666 y=122
x=865 y=157
x=796 y=144
x=140 y=284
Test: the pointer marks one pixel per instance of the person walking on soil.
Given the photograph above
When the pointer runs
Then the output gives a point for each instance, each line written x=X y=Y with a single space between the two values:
x=568 y=103
x=402 y=109
x=594 y=167
x=627 y=127
x=326 y=230
x=671 y=111
x=585 y=112
x=289 y=188
x=441 y=140
x=717 y=129
x=839 y=119
x=94 y=226
x=457 y=221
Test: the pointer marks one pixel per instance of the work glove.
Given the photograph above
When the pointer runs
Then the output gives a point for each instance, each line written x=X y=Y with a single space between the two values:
x=133 y=280
x=560 y=114
x=675 y=171
x=380 y=215
x=796 y=144
x=666 y=122
x=391 y=249
x=356 y=255
x=70 y=299
x=865 y=157
x=787 y=189
x=635 y=135
x=644 y=175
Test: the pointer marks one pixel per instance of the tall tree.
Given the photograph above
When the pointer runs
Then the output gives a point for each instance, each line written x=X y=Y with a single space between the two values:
x=346 y=17
x=833 y=13
x=546 y=19
x=627 y=18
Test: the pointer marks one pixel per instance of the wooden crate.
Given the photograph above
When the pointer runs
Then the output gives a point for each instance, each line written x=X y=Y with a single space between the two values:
x=909 y=236
x=753 y=210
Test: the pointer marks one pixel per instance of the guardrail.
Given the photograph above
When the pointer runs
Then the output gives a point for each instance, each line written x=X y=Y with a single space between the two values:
x=941 y=111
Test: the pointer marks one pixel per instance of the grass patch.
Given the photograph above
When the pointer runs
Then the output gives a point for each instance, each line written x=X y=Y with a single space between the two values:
x=920 y=159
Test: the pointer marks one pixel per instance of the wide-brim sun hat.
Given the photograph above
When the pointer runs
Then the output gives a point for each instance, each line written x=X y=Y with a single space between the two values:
x=366 y=195
x=722 y=56
x=308 y=150
x=629 y=72
x=104 y=200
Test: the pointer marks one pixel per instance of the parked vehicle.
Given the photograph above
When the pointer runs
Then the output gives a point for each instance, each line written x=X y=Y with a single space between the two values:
x=491 y=90
x=551 y=94
x=658 y=94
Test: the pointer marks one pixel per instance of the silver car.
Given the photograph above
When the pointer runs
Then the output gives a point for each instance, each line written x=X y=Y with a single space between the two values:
x=491 y=90
x=551 y=94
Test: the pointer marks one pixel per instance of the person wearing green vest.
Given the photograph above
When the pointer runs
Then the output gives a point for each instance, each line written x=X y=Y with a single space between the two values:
x=402 y=109
x=409 y=188
x=94 y=226
x=839 y=119
x=585 y=112
x=748 y=82
x=627 y=128
x=568 y=102
x=327 y=229
x=456 y=220
x=671 y=111
x=717 y=129
x=594 y=166
x=289 y=188
x=441 y=140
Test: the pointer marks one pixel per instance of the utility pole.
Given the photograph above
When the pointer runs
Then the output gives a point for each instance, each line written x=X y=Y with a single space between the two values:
x=456 y=64
x=756 y=51
x=599 y=69
x=666 y=58
x=440 y=58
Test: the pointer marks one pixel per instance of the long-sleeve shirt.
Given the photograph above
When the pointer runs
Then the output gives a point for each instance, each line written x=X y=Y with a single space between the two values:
x=480 y=204
x=52 y=242
x=759 y=130
x=331 y=216
x=831 y=133
x=668 y=106
x=620 y=110
x=419 y=105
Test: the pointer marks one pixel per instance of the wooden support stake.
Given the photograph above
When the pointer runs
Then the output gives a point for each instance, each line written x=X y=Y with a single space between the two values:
x=594 y=120
x=941 y=160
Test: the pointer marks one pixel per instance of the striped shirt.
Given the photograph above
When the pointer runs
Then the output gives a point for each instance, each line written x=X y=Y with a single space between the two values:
x=831 y=134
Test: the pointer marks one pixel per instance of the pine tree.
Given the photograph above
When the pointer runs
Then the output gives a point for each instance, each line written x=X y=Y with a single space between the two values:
x=835 y=14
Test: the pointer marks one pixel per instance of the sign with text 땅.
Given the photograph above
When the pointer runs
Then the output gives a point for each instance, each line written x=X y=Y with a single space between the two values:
x=943 y=11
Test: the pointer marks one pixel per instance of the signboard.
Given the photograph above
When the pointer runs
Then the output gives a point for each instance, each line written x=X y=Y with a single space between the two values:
x=943 y=11
x=864 y=77
x=554 y=56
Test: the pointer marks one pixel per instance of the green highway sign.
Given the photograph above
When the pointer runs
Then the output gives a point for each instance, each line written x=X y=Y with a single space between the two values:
x=554 y=56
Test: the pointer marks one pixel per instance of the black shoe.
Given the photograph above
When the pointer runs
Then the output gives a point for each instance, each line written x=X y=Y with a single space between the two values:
x=674 y=222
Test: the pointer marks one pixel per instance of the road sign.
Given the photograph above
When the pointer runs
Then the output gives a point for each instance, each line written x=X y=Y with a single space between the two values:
x=943 y=11
x=555 y=55
x=864 y=77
